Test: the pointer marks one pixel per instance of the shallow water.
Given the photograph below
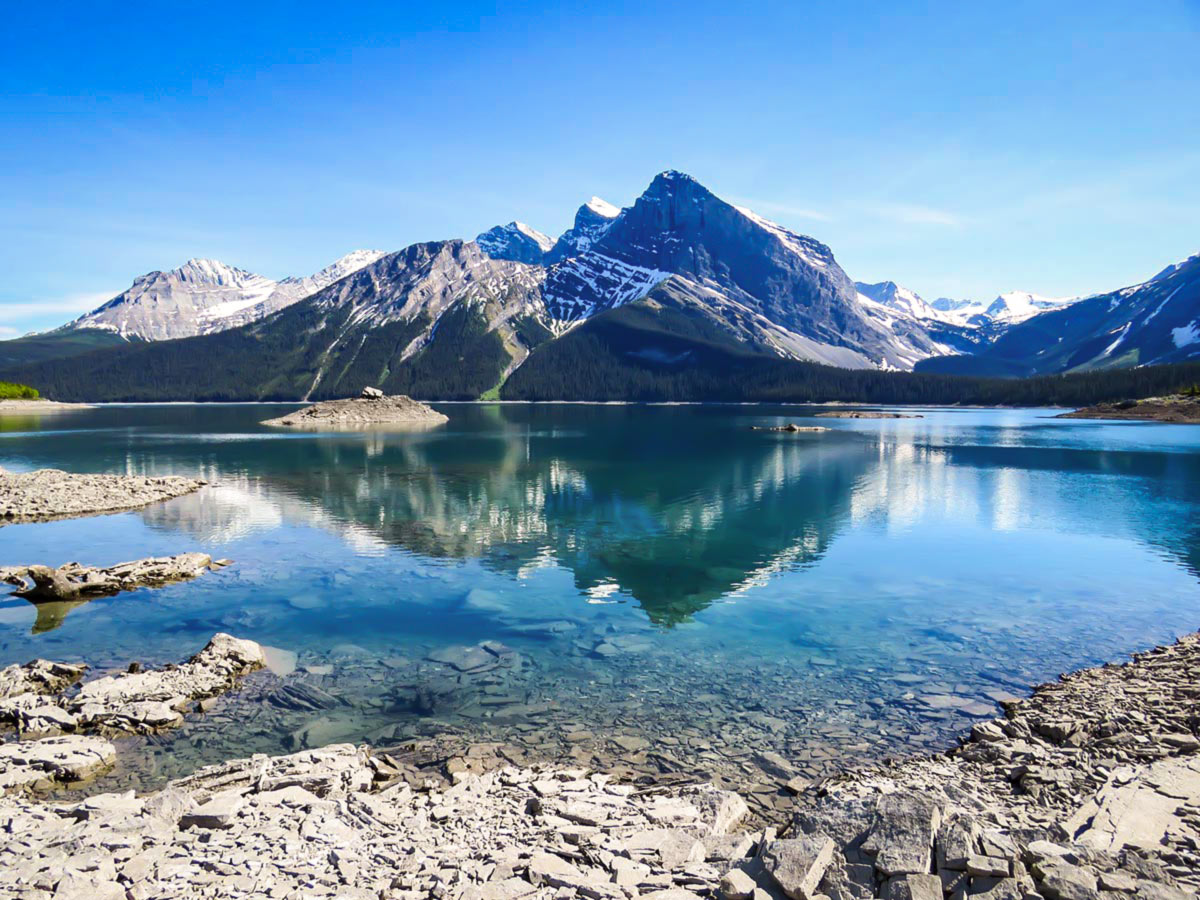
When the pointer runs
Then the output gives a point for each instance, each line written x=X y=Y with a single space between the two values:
x=860 y=592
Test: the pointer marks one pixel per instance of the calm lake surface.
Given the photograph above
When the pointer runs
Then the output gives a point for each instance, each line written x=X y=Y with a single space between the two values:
x=665 y=574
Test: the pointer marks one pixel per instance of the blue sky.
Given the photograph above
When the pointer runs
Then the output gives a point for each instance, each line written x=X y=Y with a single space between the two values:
x=959 y=149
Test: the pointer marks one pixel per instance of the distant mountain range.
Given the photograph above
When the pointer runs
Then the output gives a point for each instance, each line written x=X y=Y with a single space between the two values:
x=680 y=280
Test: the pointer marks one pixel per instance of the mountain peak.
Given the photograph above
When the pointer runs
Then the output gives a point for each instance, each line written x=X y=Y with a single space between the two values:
x=602 y=208
x=515 y=241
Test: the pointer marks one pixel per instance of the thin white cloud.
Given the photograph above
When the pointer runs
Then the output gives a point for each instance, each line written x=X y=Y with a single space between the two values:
x=75 y=304
x=911 y=214
x=6 y=332
x=783 y=209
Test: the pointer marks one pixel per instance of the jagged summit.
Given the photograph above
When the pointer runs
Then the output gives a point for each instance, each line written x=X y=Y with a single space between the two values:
x=602 y=208
x=206 y=295
x=515 y=241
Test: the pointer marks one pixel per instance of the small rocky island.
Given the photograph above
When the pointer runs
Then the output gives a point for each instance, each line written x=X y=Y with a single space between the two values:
x=864 y=414
x=1177 y=409
x=371 y=408
x=790 y=428
x=47 y=494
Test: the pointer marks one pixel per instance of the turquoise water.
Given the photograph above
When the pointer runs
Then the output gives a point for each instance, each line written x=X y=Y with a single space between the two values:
x=873 y=588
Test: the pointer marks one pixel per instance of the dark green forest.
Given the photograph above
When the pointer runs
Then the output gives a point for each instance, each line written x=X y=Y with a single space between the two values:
x=609 y=358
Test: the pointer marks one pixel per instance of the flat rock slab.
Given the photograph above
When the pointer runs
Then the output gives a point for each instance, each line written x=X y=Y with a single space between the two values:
x=362 y=412
x=902 y=838
x=47 y=494
x=799 y=864
x=65 y=759
x=1140 y=812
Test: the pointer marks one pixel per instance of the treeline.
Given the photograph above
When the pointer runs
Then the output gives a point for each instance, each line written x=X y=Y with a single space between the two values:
x=612 y=361
x=11 y=391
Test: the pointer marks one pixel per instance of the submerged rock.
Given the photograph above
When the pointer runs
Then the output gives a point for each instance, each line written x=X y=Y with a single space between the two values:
x=363 y=411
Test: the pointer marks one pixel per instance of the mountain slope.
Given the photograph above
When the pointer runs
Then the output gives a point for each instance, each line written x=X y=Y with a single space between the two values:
x=591 y=221
x=1157 y=321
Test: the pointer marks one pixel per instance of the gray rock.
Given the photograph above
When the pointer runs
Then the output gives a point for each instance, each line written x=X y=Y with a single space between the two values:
x=1063 y=881
x=219 y=811
x=901 y=839
x=799 y=864
x=737 y=885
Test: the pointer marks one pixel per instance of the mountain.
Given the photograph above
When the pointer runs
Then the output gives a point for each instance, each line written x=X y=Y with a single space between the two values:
x=680 y=295
x=204 y=296
x=437 y=319
x=1152 y=323
x=1017 y=306
x=901 y=299
x=591 y=221
x=515 y=241
x=781 y=292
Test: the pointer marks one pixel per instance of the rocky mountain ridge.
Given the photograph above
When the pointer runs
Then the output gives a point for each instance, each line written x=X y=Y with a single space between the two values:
x=204 y=296
x=661 y=282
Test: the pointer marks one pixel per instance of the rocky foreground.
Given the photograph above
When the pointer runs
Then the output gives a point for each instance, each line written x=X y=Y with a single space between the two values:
x=47 y=494
x=1178 y=409
x=1088 y=790
x=371 y=408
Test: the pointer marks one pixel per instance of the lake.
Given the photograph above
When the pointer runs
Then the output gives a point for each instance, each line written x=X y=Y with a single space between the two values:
x=679 y=591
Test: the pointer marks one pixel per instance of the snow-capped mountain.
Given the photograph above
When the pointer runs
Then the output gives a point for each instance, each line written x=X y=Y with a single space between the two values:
x=777 y=290
x=1156 y=321
x=591 y=221
x=678 y=279
x=904 y=300
x=204 y=296
x=1017 y=306
x=515 y=241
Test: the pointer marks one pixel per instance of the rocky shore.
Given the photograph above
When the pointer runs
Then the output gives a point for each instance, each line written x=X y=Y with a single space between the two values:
x=371 y=408
x=1087 y=790
x=47 y=494
x=1178 y=409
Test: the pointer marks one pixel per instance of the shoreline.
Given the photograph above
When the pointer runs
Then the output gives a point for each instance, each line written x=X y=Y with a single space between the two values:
x=1089 y=785
x=789 y=403
x=14 y=407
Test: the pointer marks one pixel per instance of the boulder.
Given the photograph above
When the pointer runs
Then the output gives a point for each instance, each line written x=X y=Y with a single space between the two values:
x=797 y=865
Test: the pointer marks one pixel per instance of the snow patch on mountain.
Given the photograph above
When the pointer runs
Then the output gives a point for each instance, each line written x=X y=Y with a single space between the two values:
x=1187 y=335
x=603 y=208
